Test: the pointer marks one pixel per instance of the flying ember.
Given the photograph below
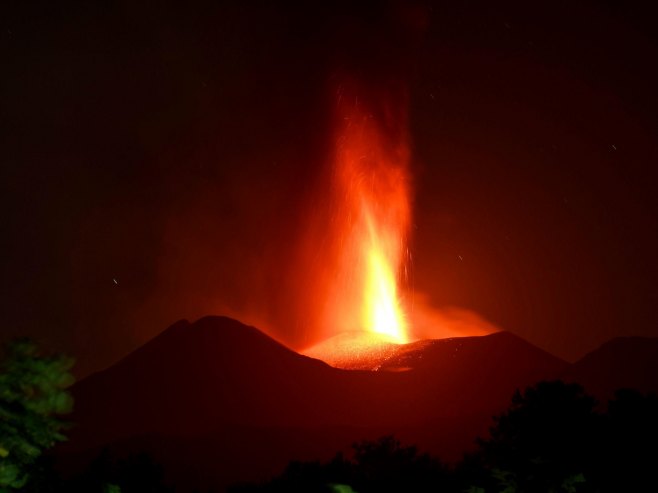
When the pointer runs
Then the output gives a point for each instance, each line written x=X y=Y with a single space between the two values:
x=371 y=214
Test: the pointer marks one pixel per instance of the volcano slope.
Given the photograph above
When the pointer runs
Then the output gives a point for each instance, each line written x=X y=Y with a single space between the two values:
x=623 y=362
x=218 y=402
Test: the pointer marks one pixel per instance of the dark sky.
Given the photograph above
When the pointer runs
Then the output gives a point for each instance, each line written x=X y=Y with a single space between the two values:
x=158 y=160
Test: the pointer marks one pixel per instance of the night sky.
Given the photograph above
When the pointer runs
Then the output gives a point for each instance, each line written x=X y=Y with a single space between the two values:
x=159 y=162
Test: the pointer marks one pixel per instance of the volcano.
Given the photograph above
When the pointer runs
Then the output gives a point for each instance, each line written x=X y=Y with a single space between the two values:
x=218 y=402
x=623 y=362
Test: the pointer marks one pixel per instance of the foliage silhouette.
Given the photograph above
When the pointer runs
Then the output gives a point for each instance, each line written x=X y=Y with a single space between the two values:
x=383 y=465
x=33 y=396
x=552 y=439
x=545 y=440
x=44 y=477
x=136 y=474
x=630 y=449
x=386 y=465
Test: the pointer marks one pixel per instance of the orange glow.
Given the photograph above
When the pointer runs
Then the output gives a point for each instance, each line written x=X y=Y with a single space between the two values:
x=381 y=309
x=371 y=214
x=353 y=255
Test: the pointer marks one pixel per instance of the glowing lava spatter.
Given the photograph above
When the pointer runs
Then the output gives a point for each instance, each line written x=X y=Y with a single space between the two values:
x=371 y=186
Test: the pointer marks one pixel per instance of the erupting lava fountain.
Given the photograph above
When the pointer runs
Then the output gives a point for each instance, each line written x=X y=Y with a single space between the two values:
x=371 y=216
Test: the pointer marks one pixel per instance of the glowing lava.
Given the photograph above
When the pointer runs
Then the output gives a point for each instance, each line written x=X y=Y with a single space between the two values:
x=372 y=215
x=356 y=247
x=381 y=310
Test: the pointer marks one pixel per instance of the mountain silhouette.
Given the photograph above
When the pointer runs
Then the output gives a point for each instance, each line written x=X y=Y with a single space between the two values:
x=218 y=402
x=623 y=362
x=194 y=378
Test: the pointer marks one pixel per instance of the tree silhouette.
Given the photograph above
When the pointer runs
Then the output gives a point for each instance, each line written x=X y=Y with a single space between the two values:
x=550 y=440
x=386 y=465
x=547 y=441
x=382 y=465
x=631 y=443
x=33 y=396
x=137 y=473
